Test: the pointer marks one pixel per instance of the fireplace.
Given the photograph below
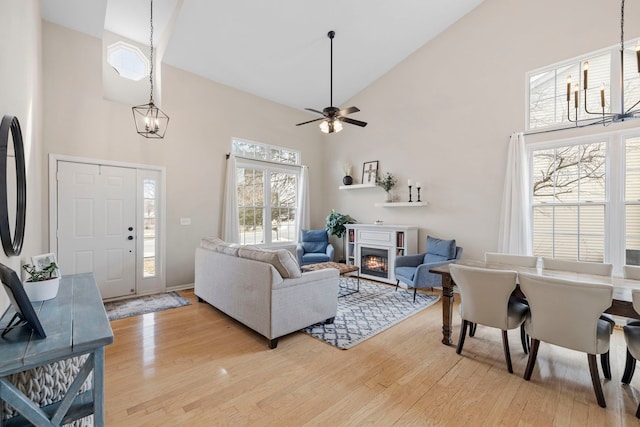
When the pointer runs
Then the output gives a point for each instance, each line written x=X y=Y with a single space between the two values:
x=374 y=262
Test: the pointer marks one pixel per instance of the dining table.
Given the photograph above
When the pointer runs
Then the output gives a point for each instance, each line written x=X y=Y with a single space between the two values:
x=621 y=304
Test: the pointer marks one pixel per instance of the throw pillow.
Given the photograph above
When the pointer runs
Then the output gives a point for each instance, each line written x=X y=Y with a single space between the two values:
x=210 y=242
x=444 y=248
x=228 y=248
x=281 y=259
x=220 y=246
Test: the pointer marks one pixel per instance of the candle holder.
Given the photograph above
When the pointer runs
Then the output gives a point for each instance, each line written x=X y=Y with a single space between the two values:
x=410 y=194
x=418 y=194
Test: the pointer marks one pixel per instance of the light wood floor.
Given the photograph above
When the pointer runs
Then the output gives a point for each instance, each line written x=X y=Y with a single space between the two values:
x=194 y=366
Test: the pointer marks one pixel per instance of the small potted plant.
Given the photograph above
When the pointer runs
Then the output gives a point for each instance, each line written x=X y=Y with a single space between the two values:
x=42 y=284
x=387 y=182
x=336 y=225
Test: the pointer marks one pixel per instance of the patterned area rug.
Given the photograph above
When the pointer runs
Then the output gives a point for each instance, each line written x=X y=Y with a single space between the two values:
x=143 y=305
x=364 y=314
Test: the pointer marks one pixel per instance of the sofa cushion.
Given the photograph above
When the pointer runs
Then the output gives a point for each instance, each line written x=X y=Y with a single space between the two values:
x=405 y=272
x=315 y=258
x=219 y=245
x=228 y=248
x=210 y=242
x=314 y=240
x=281 y=259
x=443 y=248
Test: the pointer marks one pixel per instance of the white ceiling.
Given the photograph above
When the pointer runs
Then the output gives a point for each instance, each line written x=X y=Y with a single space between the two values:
x=275 y=49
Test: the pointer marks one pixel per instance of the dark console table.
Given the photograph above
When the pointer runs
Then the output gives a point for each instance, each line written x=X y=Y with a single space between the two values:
x=76 y=324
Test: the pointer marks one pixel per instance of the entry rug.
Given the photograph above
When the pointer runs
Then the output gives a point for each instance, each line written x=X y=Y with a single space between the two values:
x=143 y=305
x=364 y=314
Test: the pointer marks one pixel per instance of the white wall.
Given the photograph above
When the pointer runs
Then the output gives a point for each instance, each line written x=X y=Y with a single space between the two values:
x=20 y=96
x=445 y=114
x=204 y=116
x=443 y=117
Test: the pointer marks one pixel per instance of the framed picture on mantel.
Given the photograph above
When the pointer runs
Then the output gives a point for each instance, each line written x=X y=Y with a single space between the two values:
x=369 y=172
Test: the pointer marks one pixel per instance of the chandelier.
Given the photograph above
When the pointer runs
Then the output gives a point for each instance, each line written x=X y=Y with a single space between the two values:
x=604 y=117
x=151 y=122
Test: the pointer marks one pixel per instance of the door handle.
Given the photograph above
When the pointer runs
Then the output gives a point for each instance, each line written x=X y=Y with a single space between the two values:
x=130 y=238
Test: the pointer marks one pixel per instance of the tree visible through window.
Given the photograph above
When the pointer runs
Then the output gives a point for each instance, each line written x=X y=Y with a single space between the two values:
x=267 y=192
x=569 y=202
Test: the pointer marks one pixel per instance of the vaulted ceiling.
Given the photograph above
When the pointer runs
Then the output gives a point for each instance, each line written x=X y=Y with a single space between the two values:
x=275 y=49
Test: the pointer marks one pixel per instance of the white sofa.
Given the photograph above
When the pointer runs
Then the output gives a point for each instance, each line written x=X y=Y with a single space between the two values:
x=264 y=290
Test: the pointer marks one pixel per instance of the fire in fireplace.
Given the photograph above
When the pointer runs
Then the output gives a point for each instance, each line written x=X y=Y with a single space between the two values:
x=374 y=262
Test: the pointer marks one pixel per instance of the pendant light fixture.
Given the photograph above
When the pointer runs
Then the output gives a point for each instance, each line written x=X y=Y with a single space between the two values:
x=604 y=118
x=151 y=122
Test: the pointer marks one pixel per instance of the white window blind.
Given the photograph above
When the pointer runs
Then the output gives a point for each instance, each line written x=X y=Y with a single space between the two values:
x=547 y=105
x=569 y=202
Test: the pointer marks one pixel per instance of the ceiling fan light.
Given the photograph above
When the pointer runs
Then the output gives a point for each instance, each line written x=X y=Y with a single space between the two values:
x=337 y=125
x=324 y=126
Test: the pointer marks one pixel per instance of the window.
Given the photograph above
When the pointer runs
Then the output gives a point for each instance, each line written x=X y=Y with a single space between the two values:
x=128 y=61
x=569 y=202
x=267 y=183
x=150 y=227
x=547 y=87
x=586 y=199
x=632 y=201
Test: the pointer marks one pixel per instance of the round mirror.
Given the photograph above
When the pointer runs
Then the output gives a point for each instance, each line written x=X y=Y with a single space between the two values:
x=10 y=175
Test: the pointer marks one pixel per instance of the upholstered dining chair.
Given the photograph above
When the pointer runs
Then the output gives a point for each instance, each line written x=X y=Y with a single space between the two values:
x=413 y=270
x=632 y=337
x=485 y=300
x=567 y=313
x=314 y=247
x=521 y=261
x=510 y=259
x=632 y=272
x=597 y=268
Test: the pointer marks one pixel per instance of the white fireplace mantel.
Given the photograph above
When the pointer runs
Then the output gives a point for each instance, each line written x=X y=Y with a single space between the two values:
x=396 y=240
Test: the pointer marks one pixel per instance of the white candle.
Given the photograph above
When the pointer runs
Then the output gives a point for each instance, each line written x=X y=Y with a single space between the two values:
x=418 y=185
x=409 y=182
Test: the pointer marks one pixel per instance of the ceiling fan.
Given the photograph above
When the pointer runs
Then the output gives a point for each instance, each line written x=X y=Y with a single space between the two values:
x=333 y=117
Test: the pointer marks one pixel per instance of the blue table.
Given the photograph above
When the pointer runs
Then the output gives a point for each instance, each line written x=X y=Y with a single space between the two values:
x=76 y=324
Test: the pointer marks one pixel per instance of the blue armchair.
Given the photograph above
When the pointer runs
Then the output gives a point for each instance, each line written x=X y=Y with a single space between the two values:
x=413 y=270
x=314 y=247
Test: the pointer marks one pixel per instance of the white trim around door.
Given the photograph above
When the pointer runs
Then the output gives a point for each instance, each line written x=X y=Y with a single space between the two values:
x=150 y=230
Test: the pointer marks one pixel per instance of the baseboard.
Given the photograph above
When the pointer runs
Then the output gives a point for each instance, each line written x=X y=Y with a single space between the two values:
x=180 y=287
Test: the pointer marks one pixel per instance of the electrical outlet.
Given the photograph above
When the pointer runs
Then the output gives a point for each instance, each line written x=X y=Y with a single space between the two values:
x=185 y=221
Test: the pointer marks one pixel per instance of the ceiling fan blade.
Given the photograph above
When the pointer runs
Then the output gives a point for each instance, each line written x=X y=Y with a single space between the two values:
x=310 y=121
x=315 y=111
x=353 y=122
x=348 y=111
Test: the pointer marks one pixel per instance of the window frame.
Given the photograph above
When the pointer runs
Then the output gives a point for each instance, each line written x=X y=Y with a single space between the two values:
x=612 y=96
x=268 y=167
x=123 y=45
x=614 y=202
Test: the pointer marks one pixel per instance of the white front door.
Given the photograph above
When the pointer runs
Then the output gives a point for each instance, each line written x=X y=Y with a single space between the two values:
x=96 y=213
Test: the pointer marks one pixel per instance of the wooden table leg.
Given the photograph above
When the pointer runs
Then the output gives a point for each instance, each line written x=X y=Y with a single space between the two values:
x=447 y=308
x=98 y=387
